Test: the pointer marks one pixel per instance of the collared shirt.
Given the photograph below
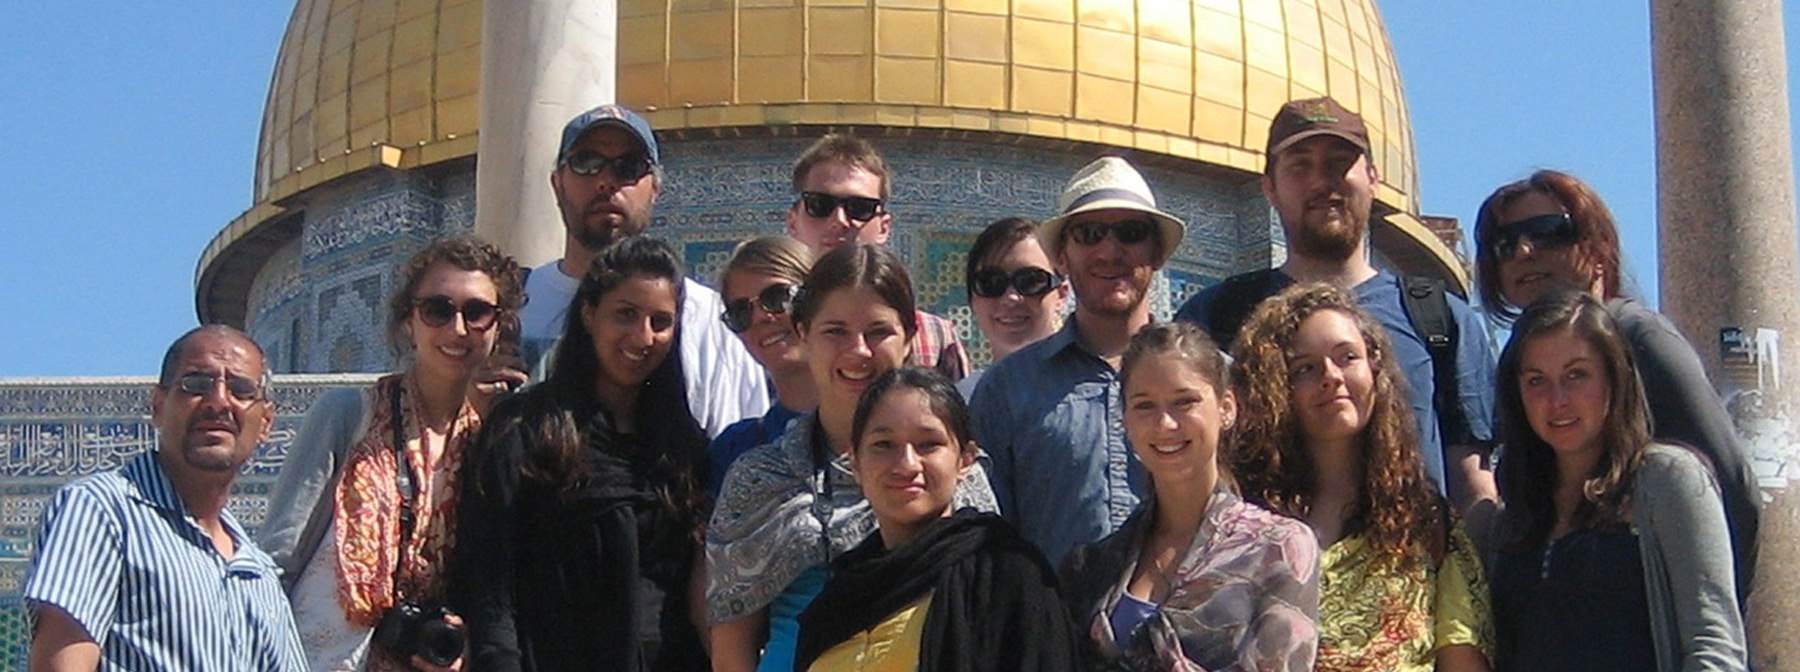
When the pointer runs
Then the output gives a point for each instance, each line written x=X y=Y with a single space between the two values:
x=1050 y=416
x=1381 y=297
x=936 y=346
x=724 y=385
x=121 y=554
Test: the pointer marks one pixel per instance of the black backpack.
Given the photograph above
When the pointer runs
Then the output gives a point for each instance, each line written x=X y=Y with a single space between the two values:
x=1427 y=306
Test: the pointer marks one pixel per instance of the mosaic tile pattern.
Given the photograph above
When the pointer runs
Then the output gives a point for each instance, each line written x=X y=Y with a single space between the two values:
x=319 y=308
x=54 y=431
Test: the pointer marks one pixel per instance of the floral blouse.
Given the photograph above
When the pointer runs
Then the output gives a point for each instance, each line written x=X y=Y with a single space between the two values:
x=1373 y=619
x=1244 y=597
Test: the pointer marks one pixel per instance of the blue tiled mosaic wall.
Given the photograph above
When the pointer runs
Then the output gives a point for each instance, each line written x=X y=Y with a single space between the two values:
x=54 y=431
x=317 y=306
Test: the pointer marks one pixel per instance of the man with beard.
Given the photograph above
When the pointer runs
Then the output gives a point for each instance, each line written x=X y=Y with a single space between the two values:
x=608 y=174
x=1321 y=181
x=1050 y=415
x=144 y=568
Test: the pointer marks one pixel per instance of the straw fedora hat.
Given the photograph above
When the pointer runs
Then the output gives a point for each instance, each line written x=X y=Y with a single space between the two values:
x=1109 y=183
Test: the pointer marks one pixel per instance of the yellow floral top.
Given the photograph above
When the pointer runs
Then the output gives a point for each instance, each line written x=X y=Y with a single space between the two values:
x=1372 y=620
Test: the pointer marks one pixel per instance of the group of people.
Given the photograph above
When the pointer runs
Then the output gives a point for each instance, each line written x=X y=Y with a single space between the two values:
x=1316 y=466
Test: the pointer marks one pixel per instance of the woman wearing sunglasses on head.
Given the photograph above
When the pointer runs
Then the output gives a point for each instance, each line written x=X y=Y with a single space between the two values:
x=583 y=499
x=362 y=519
x=1016 y=296
x=758 y=285
x=1551 y=231
x=1326 y=435
x=789 y=507
x=1610 y=543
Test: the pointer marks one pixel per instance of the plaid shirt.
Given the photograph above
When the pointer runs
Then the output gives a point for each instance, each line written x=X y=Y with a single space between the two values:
x=936 y=346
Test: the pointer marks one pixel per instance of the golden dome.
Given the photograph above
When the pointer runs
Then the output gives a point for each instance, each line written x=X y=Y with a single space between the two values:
x=396 y=82
x=1197 y=79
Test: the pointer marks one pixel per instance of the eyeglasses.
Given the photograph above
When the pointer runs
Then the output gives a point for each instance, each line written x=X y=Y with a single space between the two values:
x=856 y=208
x=992 y=283
x=627 y=168
x=201 y=383
x=1129 y=232
x=436 y=311
x=1545 y=231
x=774 y=299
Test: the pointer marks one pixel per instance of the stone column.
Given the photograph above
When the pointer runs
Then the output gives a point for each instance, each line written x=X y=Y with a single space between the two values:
x=542 y=63
x=1725 y=177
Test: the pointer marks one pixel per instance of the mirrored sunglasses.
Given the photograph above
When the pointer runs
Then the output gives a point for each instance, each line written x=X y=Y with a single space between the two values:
x=1545 y=231
x=992 y=283
x=436 y=311
x=856 y=208
x=774 y=299
x=1129 y=232
x=627 y=168
x=201 y=383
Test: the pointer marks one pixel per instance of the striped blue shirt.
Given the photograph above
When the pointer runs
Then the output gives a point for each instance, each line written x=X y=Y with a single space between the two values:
x=119 y=552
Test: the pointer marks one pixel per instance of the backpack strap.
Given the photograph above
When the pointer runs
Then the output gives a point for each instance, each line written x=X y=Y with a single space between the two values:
x=1428 y=308
x=1238 y=296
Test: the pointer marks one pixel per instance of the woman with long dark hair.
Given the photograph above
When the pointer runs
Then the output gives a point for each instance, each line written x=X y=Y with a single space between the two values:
x=1326 y=436
x=1197 y=578
x=1609 y=543
x=585 y=503
x=362 y=519
x=789 y=507
x=1551 y=231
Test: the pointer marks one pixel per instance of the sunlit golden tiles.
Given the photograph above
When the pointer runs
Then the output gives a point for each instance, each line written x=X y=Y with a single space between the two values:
x=1191 y=78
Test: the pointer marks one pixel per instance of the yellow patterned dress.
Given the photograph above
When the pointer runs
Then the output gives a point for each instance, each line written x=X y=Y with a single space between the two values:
x=1383 y=620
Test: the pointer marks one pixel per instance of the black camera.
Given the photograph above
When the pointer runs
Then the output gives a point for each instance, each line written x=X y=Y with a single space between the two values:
x=409 y=629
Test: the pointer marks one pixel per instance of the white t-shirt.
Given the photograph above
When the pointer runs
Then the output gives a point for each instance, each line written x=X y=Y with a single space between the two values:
x=724 y=384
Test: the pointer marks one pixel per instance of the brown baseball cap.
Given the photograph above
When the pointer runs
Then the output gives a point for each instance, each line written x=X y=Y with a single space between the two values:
x=1302 y=119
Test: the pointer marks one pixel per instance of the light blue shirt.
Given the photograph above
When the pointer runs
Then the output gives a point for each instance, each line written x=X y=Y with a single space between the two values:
x=1050 y=417
x=121 y=554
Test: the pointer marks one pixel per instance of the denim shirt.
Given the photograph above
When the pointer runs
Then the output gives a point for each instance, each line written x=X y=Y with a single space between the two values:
x=1050 y=417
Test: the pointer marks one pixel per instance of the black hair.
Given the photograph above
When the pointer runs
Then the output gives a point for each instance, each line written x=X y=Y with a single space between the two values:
x=946 y=403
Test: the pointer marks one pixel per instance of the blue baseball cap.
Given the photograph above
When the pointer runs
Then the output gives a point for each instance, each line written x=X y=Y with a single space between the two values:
x=614 y=115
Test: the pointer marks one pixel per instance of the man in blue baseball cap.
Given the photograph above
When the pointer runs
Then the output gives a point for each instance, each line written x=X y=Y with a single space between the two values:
x=608 y=173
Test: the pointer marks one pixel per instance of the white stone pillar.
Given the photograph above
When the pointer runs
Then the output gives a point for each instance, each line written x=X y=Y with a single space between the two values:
x=542 y=63
x=1730 y=269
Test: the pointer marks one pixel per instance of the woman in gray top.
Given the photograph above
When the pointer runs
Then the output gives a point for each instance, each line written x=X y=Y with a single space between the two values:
x=1606 y=558
x=1551 y=231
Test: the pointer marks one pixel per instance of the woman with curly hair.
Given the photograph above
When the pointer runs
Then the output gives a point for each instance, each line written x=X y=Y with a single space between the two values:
x=363 y=518
x=1551 y=231
x=1197 y=578
x=585 y=492
x=1326 y=436
x=1609 y=543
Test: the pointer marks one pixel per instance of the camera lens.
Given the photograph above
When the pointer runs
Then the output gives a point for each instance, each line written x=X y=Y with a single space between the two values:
x=439 y=643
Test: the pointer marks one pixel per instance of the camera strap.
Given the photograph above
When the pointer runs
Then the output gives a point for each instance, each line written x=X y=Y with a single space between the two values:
x=403 y=479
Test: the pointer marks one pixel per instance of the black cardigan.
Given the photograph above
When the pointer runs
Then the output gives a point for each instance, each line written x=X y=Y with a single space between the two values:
x=588 y=577
x=994 y=604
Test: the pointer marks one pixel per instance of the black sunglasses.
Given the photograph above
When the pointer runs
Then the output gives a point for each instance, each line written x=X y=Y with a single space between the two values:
x=200 y=383
x=774 y=299
x=627 y=168
x=1129 y=232
x=856 y=208
x=436 y=311
x=1545 y=231
x=992 y=283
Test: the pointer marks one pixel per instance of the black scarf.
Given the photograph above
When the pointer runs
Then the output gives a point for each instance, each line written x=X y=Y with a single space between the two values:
x=993 y=598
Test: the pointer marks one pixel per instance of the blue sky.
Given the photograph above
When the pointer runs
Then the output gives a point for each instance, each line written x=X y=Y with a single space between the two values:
x=132 y=127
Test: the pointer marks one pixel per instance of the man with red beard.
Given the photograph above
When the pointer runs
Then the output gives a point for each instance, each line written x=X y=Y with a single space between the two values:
x=1050 y=416
x=1321 y=180
x=608 y=174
